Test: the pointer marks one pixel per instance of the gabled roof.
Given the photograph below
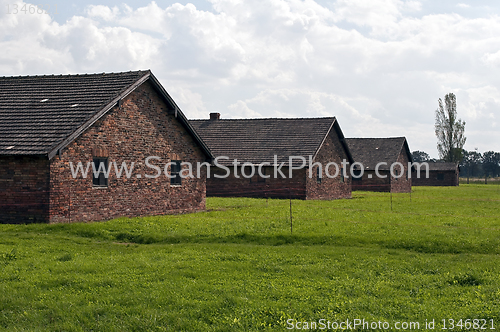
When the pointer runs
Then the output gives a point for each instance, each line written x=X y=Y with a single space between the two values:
x=40 y=115
x=257 y=140
x=371 y=151
x=441 y=166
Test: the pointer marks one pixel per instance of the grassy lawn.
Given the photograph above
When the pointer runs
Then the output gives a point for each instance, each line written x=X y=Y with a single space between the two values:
x=236 y=267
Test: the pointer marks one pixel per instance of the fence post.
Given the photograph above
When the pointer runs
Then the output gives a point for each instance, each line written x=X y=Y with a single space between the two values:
x=70 y=203
x=291 y=218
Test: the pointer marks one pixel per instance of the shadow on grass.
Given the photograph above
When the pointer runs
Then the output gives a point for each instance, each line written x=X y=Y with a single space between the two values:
x=465 y=280
x=450 y=246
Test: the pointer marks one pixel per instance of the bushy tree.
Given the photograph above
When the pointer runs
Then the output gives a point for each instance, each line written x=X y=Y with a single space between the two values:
x=449 y=130
x=420 y=156
x=471 y=162
x=491 y=164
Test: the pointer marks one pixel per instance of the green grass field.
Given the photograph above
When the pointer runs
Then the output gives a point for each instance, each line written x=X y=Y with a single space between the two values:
x=236 y=267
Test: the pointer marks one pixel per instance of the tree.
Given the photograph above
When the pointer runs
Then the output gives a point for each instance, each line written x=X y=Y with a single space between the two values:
x=449 y=130
x=471 y=161
x=491 y=164
x=420 y=156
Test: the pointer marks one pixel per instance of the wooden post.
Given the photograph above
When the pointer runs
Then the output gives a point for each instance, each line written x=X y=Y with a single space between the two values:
x=70 y=203
x=291 y=218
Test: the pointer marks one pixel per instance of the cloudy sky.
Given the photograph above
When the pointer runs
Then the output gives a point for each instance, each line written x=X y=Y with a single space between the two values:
x=379 y=66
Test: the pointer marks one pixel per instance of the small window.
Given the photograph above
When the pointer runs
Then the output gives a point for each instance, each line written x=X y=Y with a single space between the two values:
x=398 y=173
x=440 y=176
x=318 y=175
x=175 y=169
x=356 y=176
x=342 y=175
x=257 y=178
x=100 y=180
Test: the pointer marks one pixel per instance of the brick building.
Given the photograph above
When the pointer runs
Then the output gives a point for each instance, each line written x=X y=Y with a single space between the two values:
x=440 y=174
x=388 y=151
x=273 y=141
x=48 y=122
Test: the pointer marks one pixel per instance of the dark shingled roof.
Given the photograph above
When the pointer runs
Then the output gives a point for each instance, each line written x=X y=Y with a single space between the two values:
x=258 y=140
x=41 y=114
x=371 y=151
x=441 y=166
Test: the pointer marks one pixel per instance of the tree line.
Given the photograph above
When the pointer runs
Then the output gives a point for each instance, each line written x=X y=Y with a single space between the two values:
x=475 y=164
x=451 y=139
x=472 y=164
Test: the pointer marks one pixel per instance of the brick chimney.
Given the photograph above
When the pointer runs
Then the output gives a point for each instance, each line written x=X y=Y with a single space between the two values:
x=214 y=116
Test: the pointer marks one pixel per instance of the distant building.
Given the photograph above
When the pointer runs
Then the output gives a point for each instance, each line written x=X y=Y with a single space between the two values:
x=385 y=152
x=257 y=141
x=46 y=122
x=440 y=174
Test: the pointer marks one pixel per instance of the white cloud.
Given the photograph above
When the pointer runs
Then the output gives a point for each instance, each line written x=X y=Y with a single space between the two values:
x=191 y=103
x=378 y=65
x=412 y=6
x=480 y=103
x=36 y=44
x=240 y=109
x=491 y=59
x=103 y=12
x=284 y=103
x=368 y=12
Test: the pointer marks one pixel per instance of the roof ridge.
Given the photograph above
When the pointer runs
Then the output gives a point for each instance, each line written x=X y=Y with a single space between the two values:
x=402 y=147
x=52 y=99
x=395 y=137
x=371 y=150
x=80 y=74
x=258 y=139
x=262 y=119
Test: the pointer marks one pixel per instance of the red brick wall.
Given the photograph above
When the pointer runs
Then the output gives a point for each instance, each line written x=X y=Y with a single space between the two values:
x=300 y=186
x=450 y=178
x=329 y=188
x=270 y=187
x=402 y=184
x=139 y=128
x=24 y=183
x=371 y=182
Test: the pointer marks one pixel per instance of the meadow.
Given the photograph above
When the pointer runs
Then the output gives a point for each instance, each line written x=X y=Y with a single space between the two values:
x=428 y=256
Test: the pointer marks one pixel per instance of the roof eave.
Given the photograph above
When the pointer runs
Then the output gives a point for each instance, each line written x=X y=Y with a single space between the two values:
x=99 y=114
x=181 y=117
x=407 y=148
x=344 y=143
x=38 y=155
x=340 y=134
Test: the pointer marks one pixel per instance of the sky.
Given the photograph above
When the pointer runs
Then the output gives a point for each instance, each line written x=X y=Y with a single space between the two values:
x=378 y=66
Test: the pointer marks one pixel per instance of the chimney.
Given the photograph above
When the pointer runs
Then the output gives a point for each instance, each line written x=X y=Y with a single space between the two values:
x=214 y=116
